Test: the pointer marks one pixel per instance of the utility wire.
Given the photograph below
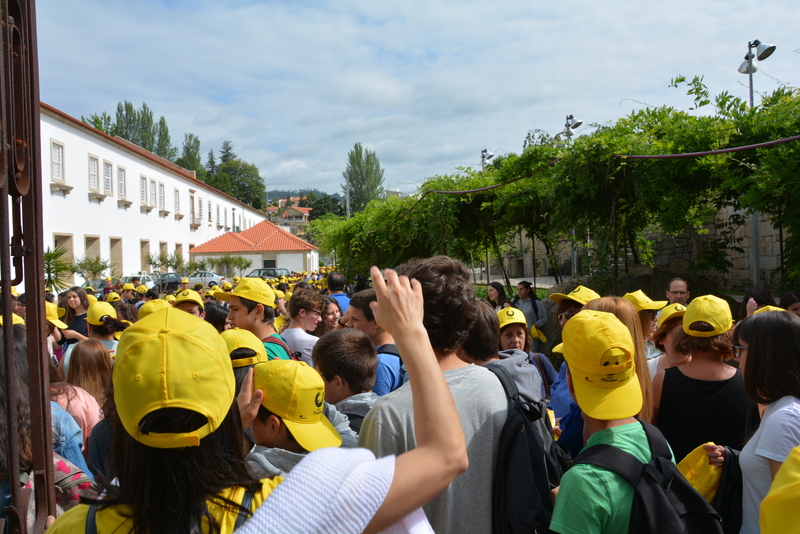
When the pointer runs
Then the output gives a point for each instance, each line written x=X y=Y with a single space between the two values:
x=708 y=153
x=426 y=193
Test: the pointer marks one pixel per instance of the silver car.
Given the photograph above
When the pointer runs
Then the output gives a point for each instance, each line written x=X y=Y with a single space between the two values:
x=206 y=278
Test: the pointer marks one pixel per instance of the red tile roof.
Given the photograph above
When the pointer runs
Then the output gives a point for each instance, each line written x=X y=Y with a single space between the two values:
x=303 y=210
x=263 y=237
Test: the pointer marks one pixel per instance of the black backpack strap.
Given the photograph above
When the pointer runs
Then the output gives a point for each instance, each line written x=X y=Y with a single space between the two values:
x=91 y=519
x=390 y=348
x=613 y=459
x=355 y=421
x=658 y=443
x=506 y=380
x=247 y=502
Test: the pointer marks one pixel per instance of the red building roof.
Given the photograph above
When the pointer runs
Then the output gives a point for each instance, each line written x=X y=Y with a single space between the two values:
x=263 y=237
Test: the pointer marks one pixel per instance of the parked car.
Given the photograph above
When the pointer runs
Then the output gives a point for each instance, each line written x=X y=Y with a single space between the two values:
x=144 y=278
x=97 y=284
x=268 y=272
x=207 y=278
x=167 y=282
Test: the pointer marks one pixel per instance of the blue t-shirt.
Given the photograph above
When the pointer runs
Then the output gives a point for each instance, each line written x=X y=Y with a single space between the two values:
x=344 y=301
x=388 y=375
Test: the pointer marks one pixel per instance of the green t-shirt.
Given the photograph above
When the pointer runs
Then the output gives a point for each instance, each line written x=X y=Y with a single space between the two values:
x=275 y=351
x=593 y=500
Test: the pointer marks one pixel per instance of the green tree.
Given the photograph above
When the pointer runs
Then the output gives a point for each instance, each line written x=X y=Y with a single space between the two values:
x=364 y=176
x=245 y=182
x=226 y=153
x=164 y=146
x=91 y=268
x=211 y=164
x=102 y=122
x=56 y=270
x=190 y=157
x=321 y=205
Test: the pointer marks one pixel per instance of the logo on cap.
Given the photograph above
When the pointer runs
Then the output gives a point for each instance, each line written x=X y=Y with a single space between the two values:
x=318 y=400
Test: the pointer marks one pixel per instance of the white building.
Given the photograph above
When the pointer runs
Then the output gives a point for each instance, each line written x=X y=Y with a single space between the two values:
x=111 y=199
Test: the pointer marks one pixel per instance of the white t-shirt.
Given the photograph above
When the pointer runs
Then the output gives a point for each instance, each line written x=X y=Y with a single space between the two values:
x=777 y=435
x=300 y=341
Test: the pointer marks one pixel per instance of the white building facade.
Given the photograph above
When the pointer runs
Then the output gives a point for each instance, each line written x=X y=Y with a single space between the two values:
x=108 y=198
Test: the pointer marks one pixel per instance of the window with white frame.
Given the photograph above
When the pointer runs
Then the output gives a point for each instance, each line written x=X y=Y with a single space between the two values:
x=200 y=208
x=108 y=178
x=94 y=164
x=209 y=211
x=161 y=196
x=120 y=182
x=143 y=193
x=177 y=201
x=56 y=161
x=152 y=192
x=225 y=214
x=217 y=213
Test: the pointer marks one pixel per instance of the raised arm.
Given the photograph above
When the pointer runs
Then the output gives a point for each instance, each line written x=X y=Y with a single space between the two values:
x=441 y=453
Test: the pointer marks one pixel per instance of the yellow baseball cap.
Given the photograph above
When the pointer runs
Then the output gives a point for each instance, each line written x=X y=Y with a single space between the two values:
x=599 y=351
x=236 y=278
x=508 y=316
x=89 y=290
x=172 y=359
x=184 y=280
x=141 y=289
x=51 y=314
x=279 y=294
x=296 y=393
x=107 y=278
x=236 y=338
x=278 y=323
x=113 y=296
x=779 y=507
x=641 y=301
x=187 y=295
x=703 y=476
x=710 y=309
x=580 y=294
x=91 y=299
x=673 y=310
x=537 y=334
x=15 y=319
x=768 y=308
x=226 y=286
x=254 y=289
x=128 y=286
x=98 y=311
x=170 y=298
x=152 y=306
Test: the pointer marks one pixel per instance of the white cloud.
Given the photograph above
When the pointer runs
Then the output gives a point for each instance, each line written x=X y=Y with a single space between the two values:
x=426 y=84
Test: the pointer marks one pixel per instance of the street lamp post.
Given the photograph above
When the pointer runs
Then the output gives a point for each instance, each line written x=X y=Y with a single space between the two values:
x=749 y=66
x=569 y=130
x=485 y=157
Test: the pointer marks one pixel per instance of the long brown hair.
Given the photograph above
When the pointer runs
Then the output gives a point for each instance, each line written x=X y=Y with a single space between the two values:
x=626 y=313
x=70 y=313
x=90 y=368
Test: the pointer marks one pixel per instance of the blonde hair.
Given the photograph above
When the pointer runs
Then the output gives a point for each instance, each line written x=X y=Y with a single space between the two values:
x=626 y=313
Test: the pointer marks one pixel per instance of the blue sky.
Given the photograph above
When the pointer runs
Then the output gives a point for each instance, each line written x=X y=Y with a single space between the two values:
x=427 y=85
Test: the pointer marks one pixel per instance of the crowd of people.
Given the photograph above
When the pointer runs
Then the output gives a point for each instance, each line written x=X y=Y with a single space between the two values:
x=220 y=409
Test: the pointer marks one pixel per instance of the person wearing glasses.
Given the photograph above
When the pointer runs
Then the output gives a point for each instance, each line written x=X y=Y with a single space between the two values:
x=305 y=310
x=678 y=291
x=704 y=399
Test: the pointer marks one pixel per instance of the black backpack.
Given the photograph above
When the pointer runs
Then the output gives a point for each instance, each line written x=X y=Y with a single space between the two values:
x=664 y=501
x=521 y=501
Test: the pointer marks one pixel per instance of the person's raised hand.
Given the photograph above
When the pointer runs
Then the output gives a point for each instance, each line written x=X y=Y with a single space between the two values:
x=399 y=305
x=248 y=400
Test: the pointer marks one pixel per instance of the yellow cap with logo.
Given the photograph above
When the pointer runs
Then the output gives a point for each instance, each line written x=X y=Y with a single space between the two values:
x=51 y=314
x=99 y=311
x=673 y=310
x=580 y=294
x=641 y=301
x=508 y=316
x=296 y=393
x=599 y=351
x=254 y=289
x=708 y=309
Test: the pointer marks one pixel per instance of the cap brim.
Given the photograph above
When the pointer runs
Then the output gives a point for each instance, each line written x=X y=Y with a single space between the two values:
x=655 y=305
x=558 y=348
x=558 y=297
x=223 y=296
x=313 y=436
x=59 y=324
x=607 y=404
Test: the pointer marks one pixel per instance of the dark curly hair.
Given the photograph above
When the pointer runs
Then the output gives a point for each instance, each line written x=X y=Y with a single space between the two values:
x=449 y=299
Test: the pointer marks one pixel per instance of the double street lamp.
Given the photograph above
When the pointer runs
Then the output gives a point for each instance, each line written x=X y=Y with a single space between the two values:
x=749 y=66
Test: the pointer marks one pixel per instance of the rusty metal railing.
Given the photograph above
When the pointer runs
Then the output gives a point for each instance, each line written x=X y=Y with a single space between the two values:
x=21 y=253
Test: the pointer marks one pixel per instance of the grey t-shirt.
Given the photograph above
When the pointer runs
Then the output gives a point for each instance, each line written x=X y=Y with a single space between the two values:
x=466 y=505
x=300 y=341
